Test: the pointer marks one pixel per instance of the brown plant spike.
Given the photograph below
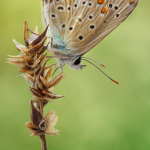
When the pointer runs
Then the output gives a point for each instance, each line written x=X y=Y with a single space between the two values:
x=32 y=63
x=41 y=126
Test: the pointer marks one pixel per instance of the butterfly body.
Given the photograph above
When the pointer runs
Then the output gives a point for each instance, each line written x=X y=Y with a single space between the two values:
x=76 y=26
x=66 y=57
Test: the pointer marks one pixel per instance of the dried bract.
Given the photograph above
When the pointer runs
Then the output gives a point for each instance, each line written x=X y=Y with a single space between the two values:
x=32 y=63
x=41 y=126
x=31 y=59
x=43 y=85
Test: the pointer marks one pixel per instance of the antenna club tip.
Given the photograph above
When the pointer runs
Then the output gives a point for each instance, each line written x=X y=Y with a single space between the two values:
x=115 y=81
x=102 y=65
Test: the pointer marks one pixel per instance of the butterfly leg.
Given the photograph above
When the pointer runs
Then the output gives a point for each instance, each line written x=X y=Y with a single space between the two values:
x=60 y=67
x=33 y=32
x=51 y=42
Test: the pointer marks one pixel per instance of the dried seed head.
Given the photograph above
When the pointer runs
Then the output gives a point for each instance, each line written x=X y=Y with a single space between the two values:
x=30 y=59
x=32 y=63
x=40 y=126
x=36 y=116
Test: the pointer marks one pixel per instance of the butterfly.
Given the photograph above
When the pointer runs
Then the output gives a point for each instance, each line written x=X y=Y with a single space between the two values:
x=76 y=26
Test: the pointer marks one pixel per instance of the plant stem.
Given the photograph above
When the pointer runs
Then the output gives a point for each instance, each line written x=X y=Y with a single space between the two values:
x=43 y=142
x=42 y=137
x=41 y=108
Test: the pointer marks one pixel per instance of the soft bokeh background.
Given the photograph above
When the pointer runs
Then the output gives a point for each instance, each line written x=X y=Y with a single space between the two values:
x=96 y=113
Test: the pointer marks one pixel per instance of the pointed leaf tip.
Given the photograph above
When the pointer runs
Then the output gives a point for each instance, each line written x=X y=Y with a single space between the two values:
x=36 y=116
x=26 y=33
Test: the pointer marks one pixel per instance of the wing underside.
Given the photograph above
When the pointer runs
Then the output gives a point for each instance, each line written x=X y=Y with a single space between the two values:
x=82 y=24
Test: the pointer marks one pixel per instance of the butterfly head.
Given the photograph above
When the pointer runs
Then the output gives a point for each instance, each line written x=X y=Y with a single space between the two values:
x=66 y=57
x=73 y=62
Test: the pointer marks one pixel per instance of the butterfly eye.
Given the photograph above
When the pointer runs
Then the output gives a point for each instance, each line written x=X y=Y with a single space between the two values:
x=77 y=61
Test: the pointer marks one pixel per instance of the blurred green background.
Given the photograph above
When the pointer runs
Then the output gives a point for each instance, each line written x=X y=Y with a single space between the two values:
x=96 y=113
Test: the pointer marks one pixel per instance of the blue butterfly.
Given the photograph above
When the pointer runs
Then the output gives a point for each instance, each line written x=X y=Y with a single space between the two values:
x=76 y=26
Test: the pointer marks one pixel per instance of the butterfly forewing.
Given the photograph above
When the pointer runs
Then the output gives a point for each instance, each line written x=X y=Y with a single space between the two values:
x=111 y=21
x=82 y=24
x=109 y=16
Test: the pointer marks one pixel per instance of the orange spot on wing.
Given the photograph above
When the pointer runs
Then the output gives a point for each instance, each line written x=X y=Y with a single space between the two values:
x=51 y=0
x=101 y=1
x=103 y=10
x=131 y=1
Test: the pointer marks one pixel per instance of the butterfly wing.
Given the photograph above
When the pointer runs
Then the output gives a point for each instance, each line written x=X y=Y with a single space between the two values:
x=59 y=14
x=111 y=14
x=82 y=24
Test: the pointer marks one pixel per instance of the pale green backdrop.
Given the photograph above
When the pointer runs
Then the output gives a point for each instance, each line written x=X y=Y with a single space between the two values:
x=96 y=114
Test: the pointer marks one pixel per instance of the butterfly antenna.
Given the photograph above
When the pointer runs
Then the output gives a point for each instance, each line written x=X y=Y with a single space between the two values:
x=95 y=62
x=36 y=34
x=101 y=71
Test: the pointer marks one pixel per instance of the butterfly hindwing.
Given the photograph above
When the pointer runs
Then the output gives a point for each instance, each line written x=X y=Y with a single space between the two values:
x=46 y=15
